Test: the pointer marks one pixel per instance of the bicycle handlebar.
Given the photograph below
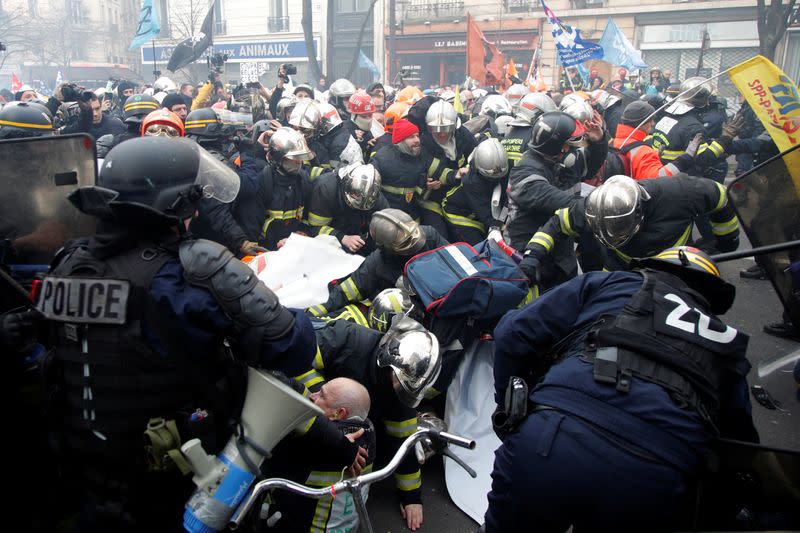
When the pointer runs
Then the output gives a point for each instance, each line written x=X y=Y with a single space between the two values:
x=346 y=484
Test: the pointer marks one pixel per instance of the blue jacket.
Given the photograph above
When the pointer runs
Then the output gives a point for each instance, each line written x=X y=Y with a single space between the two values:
x=646 y=416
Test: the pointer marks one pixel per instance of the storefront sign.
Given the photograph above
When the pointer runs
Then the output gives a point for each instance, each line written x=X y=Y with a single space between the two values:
x=241 y=51
x=456 y=43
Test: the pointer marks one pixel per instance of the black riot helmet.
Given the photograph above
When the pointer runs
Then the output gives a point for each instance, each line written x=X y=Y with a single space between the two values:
x=137 y=107
x=20 y=119
x=156 y=181
x=551 y=131
x=204 y=124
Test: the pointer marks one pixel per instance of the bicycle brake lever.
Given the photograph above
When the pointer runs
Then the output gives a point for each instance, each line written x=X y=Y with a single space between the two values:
x=459 y=462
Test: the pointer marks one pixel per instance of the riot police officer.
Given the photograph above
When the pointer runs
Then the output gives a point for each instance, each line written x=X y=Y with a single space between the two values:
x=632 y=376
x=204 y=127
x=134 y=110
x=138 y=315
x=19 y=120
x=342 y=204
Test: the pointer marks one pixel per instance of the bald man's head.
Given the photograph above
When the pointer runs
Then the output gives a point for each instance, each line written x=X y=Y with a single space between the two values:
x=343 y=398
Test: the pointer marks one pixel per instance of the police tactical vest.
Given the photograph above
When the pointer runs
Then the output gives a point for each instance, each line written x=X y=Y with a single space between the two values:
x=665 y=335
x=113 y=381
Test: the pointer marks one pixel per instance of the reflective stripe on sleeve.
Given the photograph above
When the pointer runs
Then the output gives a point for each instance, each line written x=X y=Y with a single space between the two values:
x=407 y=482
x=401 y=429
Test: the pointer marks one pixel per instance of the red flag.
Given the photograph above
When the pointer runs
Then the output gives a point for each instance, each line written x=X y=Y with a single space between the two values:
x=512 y=68
x=484 y=61
x=16 y=85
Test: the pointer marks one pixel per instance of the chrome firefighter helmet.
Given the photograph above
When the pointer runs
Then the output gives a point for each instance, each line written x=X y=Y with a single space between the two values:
x=361 y=186
x=503 y=124
x=386 y=305
x=699 y=92
x=495 y=105
x=164 y=85
x=441 y=117
x=306 y=118
x=576 y=107
x=330 y=118
x=604 y=99
x=490 y=159
x=286 y=106
x=340 y=92
x=515 y=94
x=288 y=143
x=530 y=107
x=396 y=232
x=412 y=353
x=614 y=210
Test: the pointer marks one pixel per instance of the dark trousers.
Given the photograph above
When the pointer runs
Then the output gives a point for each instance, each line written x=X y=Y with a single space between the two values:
x=556 y=471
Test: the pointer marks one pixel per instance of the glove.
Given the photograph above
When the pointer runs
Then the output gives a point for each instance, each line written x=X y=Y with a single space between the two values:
x=251 y=248
x=495 y=234
x=530 y=266
x=731 y=129
x=694 y=144
x=16 y=328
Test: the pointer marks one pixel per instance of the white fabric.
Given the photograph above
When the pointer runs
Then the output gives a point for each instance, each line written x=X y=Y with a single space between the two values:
x=468 y=412
x=299 y=272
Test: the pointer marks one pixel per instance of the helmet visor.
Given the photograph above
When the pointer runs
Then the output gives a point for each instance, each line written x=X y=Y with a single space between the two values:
x=162 y=130
x=217 y=179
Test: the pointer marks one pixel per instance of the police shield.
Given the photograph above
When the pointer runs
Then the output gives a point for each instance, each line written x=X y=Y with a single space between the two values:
x=767 y=201
x=37 y=175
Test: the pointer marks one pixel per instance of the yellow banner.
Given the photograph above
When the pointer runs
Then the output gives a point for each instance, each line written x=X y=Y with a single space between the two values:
x=775 y=99
x=457 y=101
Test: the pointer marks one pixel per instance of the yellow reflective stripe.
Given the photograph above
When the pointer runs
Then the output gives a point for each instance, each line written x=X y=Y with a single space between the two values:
x=326 y=230
x=696 y=259
x=402 y=429
x=316 y=220
x=723 y=197
x=319 y=524
x=624 y=257
x=305 y=427
x=267 y=222
x=318 y=363
x=398 y=190
x=310 y=378
x=26 y=125
x=315 y=172
x=433 y=166
x=566 y=227
x=407 y=482
x=716 y=148
x=724 y=228
x=350 y=290
x=542 y=239
x=458 y=220
x=444 y=177
x=432 y=206
x=397 y=305
x=670 y=155
x=318 y=310
x=284 y=215
x=140 y=105
x=352 y=313
x=431 y=393
x=684 y=237
x=190 y=124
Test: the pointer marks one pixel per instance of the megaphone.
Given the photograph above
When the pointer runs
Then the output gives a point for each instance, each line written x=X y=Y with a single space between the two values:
x=271 y=410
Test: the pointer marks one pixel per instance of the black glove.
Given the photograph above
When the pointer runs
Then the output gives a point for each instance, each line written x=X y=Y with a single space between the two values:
x=16 y=328
x=530 y=266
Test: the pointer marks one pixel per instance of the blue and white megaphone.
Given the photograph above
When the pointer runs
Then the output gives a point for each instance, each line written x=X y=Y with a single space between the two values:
x=271 y=411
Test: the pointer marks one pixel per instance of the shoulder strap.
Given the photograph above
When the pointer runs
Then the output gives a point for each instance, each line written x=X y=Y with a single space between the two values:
x=628 y=147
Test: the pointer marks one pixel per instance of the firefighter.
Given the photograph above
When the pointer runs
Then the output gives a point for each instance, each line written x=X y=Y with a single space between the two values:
x=530 y=107
x=341 y=146
x=361 y=107
x=307 y=118
x=342 y=204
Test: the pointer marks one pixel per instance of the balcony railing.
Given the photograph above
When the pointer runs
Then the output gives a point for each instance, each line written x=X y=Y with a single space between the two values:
x=434 y=10
x=277 y=24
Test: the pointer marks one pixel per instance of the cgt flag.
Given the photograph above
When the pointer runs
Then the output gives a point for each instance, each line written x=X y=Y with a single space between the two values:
x=190 y=49
x=149 y=26
x=16 y=84
x=571 y=47
x=775 y=99
x=484 y=61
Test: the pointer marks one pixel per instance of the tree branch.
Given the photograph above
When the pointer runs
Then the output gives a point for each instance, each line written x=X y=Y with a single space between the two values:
x=360 y=39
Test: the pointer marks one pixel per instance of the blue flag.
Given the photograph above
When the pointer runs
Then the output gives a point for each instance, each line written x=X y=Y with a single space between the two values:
x=364 y=62
x=572 y=49
x=149 y=26
x=618 y=49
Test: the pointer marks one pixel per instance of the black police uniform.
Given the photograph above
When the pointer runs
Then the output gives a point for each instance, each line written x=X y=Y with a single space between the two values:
x=349 y=350
x=468 y=207
x=328 y=214
x=675 y=202
x=379 y=271
x=634 y=376
x=138 y=321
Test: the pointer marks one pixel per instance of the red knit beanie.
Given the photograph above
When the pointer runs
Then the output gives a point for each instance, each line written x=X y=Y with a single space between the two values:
x=403 y=129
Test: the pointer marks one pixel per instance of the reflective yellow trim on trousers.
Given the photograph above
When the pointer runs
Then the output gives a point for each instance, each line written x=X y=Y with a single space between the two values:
x=350 y=290
x=724 y=228
x=326 y=230
x=566 y=227
x=401 y=429
x=543 y=239
x=407 y=482
x=432 y=206
x=458 y=220
x=316 y=220
x=444 y=178
x=431 y=393
x=352 y=313
x=723 y=197
x=322 y=513
x=684 y=238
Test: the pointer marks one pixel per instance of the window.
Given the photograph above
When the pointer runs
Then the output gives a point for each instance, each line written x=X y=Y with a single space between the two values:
x=219 y=22
x=718 y=31
x=352 y=6
x=279 y=16
x=163 y=19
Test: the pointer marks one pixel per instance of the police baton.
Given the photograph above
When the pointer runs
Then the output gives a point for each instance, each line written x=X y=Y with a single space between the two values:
x=760 y=250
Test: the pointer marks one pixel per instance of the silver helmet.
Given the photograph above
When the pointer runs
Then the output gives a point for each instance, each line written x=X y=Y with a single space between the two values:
x=386 y=305
x=441 y=117
x=361 y=186
x=303 y=87
x=306 y=118
x=614 y=210
x=448 y=96
x=604 y=99
x=288 y=143
x=576 y=107
x=514 y=94
x=495 y=105
x=340 y=92
x=503 y=124
x=698 y=94
x=285 y=106
x=330 y=118
x=164 y=85
x=531 y=106
x=396 y=232
x=490 y=159
x=412 y=353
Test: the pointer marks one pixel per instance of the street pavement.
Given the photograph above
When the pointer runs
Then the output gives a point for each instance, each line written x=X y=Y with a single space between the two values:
x=756 y=304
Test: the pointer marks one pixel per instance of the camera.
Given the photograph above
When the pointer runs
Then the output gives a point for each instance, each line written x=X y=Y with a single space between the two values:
x=253 y=85
x=289 y=70
x=216 y=62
